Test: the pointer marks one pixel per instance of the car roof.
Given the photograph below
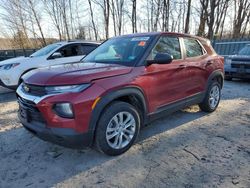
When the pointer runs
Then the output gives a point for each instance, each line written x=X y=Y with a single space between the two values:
x=162 y=33
x=78 y=41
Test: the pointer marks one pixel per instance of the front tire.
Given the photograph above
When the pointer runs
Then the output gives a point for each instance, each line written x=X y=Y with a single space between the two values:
x=212 y=98
x=117 y=129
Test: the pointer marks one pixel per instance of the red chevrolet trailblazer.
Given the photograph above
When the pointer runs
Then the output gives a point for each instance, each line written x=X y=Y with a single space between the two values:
x=122 y=85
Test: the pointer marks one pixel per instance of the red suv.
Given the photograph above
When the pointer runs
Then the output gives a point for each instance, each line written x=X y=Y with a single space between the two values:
x=122 y=85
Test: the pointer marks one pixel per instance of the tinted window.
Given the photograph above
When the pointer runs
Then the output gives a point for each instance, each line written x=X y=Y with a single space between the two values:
x=71 y=50
x=86 y=49
x=193 y=48
x=167 y=45
x=121 y=50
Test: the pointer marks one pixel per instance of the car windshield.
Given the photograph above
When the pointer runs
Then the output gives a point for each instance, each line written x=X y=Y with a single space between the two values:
x=46 y=50
x=245 y=51
x=123 y=50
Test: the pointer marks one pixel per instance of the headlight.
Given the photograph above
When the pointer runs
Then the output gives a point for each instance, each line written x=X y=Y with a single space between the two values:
x=66 y=89
x=228 y=61
x=10 y=66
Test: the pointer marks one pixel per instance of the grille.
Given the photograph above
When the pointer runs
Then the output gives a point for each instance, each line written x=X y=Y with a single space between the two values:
x=32 y=111
x=34 y=90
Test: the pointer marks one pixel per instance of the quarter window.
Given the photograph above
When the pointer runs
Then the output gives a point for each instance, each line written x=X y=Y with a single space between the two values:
x=193 y=48
x=167 y=45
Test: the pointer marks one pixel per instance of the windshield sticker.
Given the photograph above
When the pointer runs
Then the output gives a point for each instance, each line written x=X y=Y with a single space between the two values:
x=140 y=39
x=142 y=43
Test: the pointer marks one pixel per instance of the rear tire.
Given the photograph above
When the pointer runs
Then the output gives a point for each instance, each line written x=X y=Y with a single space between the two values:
x=212 y=98
x=117 y=128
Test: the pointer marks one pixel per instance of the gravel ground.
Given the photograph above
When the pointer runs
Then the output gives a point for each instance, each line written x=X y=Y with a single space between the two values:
x=186 y=149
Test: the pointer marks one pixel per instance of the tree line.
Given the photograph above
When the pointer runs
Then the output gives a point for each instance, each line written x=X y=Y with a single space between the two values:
x=32 y=23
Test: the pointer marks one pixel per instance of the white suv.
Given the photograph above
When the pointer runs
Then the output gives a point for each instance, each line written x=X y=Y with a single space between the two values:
x=11 y=70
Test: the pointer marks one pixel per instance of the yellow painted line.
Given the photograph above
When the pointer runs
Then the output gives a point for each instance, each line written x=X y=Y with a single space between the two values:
x=95 y=102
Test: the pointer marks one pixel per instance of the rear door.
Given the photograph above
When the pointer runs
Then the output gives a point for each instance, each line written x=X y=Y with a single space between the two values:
x=168 y=82
x=197 y=62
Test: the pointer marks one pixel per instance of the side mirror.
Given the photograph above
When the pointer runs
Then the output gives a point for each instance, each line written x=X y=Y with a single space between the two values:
x=56 y=55
x=161 y=58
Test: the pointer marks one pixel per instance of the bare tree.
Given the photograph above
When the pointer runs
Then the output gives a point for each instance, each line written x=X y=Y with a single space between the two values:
x=52 y=8
x=241 y=9
x=35 y=15
x=16 y=19
x=92 y=19
x=134 y=17
x=105 y=6
x=186 y=30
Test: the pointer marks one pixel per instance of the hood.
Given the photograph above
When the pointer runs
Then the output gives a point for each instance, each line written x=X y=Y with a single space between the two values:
x=70 y=74
x=14 y=60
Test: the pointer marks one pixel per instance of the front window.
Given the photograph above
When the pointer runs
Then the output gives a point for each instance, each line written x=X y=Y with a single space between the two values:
x=45 y=51
x=245 y=51
x=124 y=51
x=166 y=45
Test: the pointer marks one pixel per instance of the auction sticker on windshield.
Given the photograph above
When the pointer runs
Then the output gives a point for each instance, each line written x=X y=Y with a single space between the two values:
x=140 y=39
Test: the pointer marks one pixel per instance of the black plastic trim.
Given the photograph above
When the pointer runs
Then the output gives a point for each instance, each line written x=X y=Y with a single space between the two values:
x=61 y=136
x=107 y=99
x=175 y=106
x=213 y=75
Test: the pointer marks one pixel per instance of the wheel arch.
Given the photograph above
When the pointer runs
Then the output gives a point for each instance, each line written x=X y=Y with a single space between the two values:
x=132 y=95
x=216 y=75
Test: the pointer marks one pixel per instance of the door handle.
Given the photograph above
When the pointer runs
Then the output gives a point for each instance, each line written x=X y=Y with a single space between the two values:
x=182 y=66
x=209 y=63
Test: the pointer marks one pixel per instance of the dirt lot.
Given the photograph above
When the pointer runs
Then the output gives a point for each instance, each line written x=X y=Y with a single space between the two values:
x=186 y=149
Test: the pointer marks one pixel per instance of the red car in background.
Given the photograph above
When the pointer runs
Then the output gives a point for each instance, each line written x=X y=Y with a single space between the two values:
x=122 y=85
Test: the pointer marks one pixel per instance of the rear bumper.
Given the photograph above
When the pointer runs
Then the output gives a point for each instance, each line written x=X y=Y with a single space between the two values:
x=61 y=136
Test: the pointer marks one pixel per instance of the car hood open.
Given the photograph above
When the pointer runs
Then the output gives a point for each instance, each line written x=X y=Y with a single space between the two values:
x=76 y=73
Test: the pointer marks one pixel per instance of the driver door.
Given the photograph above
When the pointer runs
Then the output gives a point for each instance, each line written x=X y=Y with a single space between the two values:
x=168 y=82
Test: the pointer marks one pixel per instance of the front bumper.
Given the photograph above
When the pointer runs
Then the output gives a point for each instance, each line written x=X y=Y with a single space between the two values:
x=7 y=86
x=39 y=117
x=8 y=80
x=62 y=136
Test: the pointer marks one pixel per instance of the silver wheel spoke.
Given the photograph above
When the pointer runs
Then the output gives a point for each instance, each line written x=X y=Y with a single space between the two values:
x=120 y=130
x=112 y=135
x=111 y=129
x=132 y=123
x=116 y=120
x=116 y=141
x=120 y=118
x=128 y=131
x=127 y=137
x=214 y=96
x=128 y=119
x=120 y=141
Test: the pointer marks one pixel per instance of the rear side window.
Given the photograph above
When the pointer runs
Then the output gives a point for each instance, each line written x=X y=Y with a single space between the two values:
x=193 y=48
x=86 y=49
x=167 y=45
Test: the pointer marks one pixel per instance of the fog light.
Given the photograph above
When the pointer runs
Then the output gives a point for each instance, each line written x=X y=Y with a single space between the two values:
x=64 y=110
